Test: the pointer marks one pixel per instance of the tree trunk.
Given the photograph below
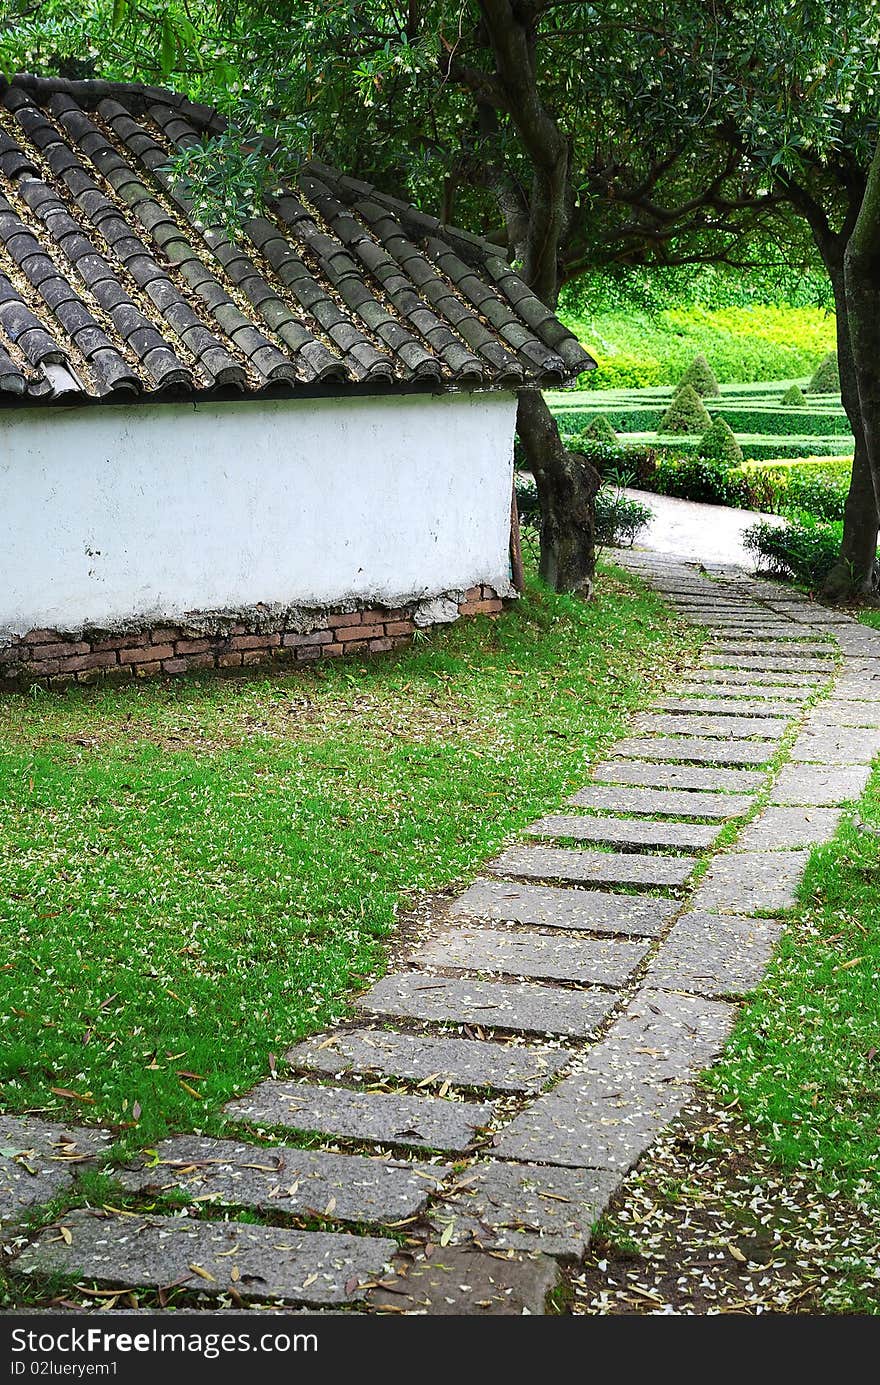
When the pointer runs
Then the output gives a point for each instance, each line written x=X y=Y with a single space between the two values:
x=853 y=575
x=862 y=287
x=567 y=486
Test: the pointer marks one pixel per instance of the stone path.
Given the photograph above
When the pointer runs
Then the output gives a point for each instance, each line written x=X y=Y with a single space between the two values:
x=452 y=1146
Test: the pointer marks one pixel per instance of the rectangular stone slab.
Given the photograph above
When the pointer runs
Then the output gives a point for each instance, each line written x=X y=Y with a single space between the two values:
x=423 y=1057
x=297 y=1182
x=40 y=1159
x=707 y=724
x=467 y=1282
x=780 y=828
x=839 y=712
x=267 y=1262
x=600 y=867
x=631 y=1086
x=774 y=695
x=523 y=1007
x=672 y=802
x=694 y=749
x=842 y=745
x=751 y=882
x=856 y=689
x=816 y=786
x=775 y=649
x=389 y=1118
x=771 y=663
x=655 y=775
x=596 y=911
x=759 y=677
x=624 y=831
x=734 y=708
x=526 y=1206
x=714 y=954
x=539 y=956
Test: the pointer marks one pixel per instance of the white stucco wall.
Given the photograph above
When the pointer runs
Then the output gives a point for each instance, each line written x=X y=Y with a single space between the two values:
x=115 y=513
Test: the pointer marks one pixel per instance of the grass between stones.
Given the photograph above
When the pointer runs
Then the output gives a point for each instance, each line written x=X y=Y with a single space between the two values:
x=196 y=874
x=765 y=1196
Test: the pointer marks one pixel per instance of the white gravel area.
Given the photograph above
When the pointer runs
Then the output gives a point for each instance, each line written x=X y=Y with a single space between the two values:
x=706 y=533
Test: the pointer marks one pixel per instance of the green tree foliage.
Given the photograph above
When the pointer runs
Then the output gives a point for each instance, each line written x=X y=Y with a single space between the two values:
x=826 y=376
x=686 y=414
x=599 y=430
x=720 y=444
x=701 y=378
x=794 y=397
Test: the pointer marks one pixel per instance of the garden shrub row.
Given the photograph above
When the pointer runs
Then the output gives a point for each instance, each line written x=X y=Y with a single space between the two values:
x=764 y=417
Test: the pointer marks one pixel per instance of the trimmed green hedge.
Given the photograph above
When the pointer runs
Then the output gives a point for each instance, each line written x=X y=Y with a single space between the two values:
x=742 y=418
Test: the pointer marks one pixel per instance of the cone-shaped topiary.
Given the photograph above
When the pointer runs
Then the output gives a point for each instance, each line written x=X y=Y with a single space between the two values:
x=826 y=376
x=794 y=397
x=718 y=444
x=700 y=376
x=600 y=430
x=686 y=414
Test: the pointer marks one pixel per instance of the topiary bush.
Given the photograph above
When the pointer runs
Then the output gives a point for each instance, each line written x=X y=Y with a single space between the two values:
x=720 y=444
x=794 y=398
x=599 y=430
x=826 y=376
x=701 y=378
x=803 y=550
x=686 y=414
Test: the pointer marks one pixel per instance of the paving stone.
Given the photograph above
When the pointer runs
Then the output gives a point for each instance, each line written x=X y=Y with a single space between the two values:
x=420 y=1057
x=40 y=1159
x=738 y=708
x=600 y=867
x=631 y=1086
x=266 y=1262
x=714 y=954
x=684 y=748
x=298 y=1182
x=774 y=649
x=788 y=699
x=672 y=802
x=771 y=663
x=845 y=745
x=624 y=831
x=856 y=689
x=789 y=827
x=816 y=786
x=705 y=724
x=523 y=1007
x=854 y=640
x=459 y=1282
x=596 y=911
x=527 y=1206
x=649 y=774
x=390 y=1118
x=759 y=677
x=839 y=712
x=539 y=956
x=751 y=882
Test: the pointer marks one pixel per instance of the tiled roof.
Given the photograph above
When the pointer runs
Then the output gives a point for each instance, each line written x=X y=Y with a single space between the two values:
x=109 y=287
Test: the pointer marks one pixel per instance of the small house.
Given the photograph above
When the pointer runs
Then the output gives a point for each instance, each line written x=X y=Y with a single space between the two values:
x=285 y=444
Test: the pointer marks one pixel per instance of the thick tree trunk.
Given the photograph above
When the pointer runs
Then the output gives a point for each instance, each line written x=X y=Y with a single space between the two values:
x=567 y=486
x=853 y=575
x=862 y=287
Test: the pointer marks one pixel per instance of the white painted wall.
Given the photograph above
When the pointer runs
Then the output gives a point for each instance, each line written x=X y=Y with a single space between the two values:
x=146 y=511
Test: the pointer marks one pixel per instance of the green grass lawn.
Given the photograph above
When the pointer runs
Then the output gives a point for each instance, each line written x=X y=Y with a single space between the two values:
x=195 y=874
x=803 y=1066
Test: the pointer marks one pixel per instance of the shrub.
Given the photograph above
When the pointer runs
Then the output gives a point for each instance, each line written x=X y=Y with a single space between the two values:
x=686 y=414
x=701 y=378
x=804 y=549
x=826 y=376
x=527 y=499
x=794 y=397
x=619 y=519
x=719 y=443
x=703 y=479
x=599 y=430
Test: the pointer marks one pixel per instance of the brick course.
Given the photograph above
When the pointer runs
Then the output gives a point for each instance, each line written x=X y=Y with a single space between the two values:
x=55 y=660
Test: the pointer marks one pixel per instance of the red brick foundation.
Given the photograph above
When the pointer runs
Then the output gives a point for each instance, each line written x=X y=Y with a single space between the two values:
x=52 y=659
